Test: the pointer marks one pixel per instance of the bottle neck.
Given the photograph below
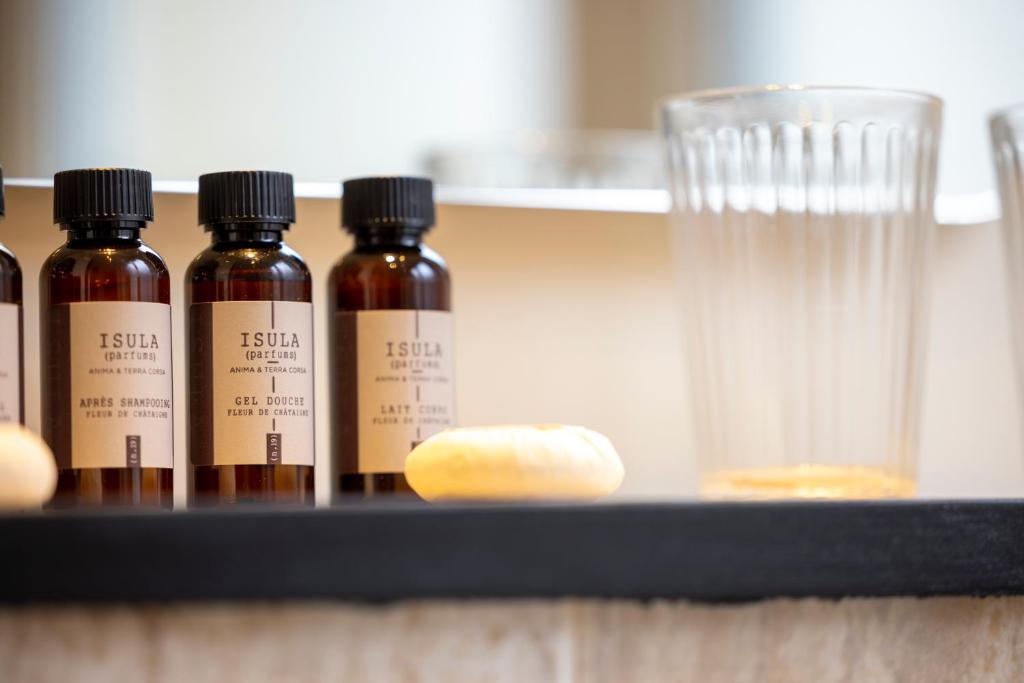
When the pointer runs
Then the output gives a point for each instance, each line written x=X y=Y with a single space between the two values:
x=103 y=231
x=247 y=233
x=390 y=237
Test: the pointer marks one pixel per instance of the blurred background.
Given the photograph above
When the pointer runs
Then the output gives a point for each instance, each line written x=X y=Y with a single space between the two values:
x=562 y=315
x=477 y=91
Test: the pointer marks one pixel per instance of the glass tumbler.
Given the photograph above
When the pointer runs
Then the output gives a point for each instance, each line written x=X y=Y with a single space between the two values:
x=802 y=226
x=1007 y=129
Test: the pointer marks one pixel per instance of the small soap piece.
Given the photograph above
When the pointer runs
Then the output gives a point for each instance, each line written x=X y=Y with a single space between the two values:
x=555 y=462
x=28 y=473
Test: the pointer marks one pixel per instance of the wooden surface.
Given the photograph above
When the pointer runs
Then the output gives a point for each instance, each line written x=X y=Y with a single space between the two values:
x=878 y=640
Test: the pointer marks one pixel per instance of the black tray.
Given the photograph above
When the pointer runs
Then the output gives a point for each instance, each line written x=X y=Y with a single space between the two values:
x=381 y=552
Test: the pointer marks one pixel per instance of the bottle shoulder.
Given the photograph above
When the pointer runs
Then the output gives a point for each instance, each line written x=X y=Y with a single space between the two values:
x=131 y=259
x=416 y=263
x=378 y=278
x=247 y=262
x=8 y=262
x=10 y=278
x=112 y=270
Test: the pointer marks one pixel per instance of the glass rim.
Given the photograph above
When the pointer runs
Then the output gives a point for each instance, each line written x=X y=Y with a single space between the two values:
x=1010 y=111
x=695 y=98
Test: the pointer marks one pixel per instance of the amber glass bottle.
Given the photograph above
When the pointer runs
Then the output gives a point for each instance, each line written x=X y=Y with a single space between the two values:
x=105 y=338
x=250 y=347
x=12 y=362
x=391 y=336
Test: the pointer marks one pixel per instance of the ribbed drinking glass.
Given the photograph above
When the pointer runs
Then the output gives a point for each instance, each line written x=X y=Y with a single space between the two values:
x=803 y=227
x=1007 y=128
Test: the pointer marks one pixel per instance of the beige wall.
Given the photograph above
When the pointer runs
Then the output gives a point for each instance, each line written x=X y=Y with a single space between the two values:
x=568 y=317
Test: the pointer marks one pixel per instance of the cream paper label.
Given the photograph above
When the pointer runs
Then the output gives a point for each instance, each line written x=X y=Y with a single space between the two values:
x=406 y=386
x=121 y=401
x=10 y=364
x=262 y=382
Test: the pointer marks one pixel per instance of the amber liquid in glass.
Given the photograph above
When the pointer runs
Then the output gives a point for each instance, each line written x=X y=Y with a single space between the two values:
x=387 y=269
x=246 y=264
x=806 y=481
x=10 y=293
x=103 y=261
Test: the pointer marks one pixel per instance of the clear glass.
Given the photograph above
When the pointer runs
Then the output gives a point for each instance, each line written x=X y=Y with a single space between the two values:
x=1007 y=129
x=803 y=227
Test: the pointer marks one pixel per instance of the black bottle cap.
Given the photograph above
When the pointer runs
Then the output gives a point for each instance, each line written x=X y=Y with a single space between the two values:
x=3 y=208
x=102 y=194
x=400 y=202
x=246 y=197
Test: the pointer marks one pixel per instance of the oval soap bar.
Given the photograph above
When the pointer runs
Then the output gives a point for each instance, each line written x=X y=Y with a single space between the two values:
x=28 y=473
x=557 y=462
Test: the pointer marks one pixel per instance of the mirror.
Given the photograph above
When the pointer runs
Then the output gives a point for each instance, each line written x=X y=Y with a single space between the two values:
x=502 y=93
